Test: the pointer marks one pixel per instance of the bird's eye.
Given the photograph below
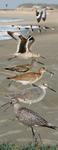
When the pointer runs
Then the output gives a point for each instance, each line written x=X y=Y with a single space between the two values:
x=10 y=102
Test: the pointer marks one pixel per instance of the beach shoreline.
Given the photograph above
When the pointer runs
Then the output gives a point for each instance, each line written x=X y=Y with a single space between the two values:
x=46 y=43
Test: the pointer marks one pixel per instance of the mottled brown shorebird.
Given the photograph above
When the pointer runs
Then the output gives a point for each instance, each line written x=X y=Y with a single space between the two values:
x=29 y=77
x=24 y=67
x=29 y=118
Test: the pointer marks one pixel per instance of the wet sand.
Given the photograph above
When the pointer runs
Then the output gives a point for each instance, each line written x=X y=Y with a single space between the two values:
x=46 y=44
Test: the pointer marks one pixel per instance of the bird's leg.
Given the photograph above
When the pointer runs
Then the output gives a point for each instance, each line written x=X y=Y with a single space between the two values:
x=34 y=137
x=10 y=83
x=38 y=135
x=33 y=133
x=40 y=138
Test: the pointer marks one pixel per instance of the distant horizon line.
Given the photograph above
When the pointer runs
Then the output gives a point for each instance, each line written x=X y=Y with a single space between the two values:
x=39 y=3
x=34 y=3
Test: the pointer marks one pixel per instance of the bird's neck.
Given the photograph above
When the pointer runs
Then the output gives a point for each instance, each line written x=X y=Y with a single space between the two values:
x=16 y=107
x=33 y=62
x=40 y=72
x=27 y=49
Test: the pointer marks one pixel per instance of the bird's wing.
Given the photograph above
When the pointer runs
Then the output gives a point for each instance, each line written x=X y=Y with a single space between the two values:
x=44 y=15
x=14 y=35
x=30 y=117
x=38 y=15
x=21 y=47
x=23 y=77
x=29 y=42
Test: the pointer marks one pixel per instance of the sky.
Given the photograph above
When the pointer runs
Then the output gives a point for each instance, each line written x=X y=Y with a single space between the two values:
x=15 y=3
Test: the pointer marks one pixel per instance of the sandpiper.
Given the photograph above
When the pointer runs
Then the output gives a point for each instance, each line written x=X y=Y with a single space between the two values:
x=29 y=77
x=24 y=67
x=41 y=14
x=23 y=47
x=30 y=118
x=31 y=95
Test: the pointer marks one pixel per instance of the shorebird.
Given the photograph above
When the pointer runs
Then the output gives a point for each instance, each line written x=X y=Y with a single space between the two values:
x=38 y=15
x=27 y=28
x=24 y=67
x=41 y=14
x=30 y=118
x=30 y=77
x=32 y=94
x=31 y=27
x=23 y=47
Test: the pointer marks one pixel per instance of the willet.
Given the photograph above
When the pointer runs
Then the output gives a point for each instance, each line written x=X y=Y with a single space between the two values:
x=38 y=15
x=30 y=77
x=24 y=67
x=41 y=14
x=27 y=28
x=31 y=28
x=29 y=118
x=23 y=47
x=32 y=94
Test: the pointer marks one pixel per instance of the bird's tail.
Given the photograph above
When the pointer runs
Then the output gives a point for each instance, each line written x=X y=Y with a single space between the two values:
x=11 y=69
x=51 y=126
x=7 y=68
x=12 y=77
x=8 y=78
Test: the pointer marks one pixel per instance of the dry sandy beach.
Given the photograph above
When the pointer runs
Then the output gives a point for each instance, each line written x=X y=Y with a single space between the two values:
x=46 y=44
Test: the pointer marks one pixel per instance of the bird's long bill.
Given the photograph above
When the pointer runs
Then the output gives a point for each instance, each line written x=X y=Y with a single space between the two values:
x=50 y=72
x=6 y=104
x=11 y=34
x=50 y=88
x=43 y=57
x=11 y=58
x=40 y=62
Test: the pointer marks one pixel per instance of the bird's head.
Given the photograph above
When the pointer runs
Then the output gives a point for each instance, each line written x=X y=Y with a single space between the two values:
x=12 y=102
x=45 y=86
x=44 y=69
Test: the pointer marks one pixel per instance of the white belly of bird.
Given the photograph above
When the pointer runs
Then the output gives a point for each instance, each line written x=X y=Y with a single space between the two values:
x=24 y=55
x=24 y=82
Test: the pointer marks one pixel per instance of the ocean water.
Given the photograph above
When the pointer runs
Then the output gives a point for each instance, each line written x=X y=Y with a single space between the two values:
x=3 y=31
x=4 y=28
x=5 y=36
x=9 y=19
